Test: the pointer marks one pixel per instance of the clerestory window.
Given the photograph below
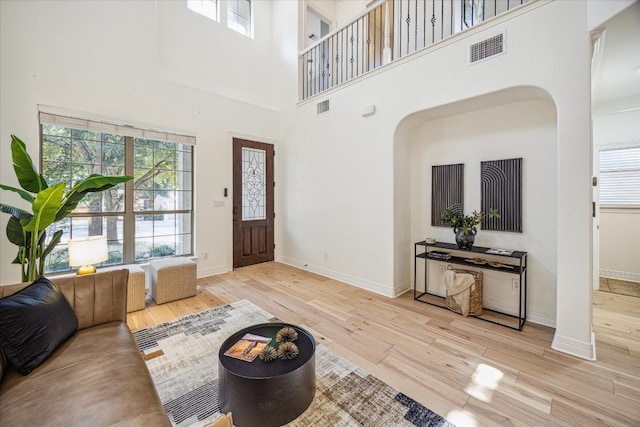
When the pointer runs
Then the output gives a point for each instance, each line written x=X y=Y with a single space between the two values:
x=148 y=217
x=208 y=8
x=239 y=16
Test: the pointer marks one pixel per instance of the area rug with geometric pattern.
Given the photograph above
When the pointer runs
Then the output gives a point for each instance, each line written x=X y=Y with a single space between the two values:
x=182 y=356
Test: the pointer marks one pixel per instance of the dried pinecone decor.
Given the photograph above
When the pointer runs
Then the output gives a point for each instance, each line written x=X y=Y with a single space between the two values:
x=286 y=334
x=268 y=354
x=287 y=351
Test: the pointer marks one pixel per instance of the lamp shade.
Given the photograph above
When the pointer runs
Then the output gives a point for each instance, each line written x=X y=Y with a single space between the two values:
x=88 y=250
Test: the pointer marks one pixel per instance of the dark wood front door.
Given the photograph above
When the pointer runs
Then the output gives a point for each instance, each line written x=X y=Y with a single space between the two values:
x=253 y=213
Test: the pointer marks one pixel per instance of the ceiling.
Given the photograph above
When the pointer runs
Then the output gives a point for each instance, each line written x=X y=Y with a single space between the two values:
x=616 y=67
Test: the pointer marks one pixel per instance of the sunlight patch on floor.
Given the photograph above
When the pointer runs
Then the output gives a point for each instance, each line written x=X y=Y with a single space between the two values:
x=462 y=419
x=483 y=382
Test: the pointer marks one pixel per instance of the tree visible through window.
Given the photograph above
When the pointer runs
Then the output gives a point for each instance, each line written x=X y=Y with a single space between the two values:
x=149 y=217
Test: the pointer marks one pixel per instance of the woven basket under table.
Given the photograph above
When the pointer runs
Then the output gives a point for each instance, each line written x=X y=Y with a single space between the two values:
x=475 y=296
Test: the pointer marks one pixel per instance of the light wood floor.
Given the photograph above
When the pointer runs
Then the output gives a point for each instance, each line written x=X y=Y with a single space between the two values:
x=472 y=372
x=622 y=287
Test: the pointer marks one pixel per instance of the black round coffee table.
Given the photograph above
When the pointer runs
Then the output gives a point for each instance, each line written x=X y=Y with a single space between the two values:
x=267 y=393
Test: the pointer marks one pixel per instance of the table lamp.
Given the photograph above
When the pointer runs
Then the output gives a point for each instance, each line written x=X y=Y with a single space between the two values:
x=86 y=251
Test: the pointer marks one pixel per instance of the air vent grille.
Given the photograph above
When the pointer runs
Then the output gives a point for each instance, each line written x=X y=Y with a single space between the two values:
x=486 y=48
x=323 y=106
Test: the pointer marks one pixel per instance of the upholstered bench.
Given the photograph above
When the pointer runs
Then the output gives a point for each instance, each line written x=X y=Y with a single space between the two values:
x=135 y=286
x=172 y=279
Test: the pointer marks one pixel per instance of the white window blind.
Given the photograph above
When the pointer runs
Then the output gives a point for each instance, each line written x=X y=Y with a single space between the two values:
x=620 y=177
x=114 y=128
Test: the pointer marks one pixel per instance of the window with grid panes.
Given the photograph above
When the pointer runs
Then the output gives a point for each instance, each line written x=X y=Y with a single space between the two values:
x=149 y=217
x=239 y=16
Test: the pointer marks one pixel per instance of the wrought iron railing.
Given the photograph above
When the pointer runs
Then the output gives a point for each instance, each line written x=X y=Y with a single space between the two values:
x=387 y=31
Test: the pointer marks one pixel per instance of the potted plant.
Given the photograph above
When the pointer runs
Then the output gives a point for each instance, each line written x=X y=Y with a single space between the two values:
x=49 y=204
x=464 y=226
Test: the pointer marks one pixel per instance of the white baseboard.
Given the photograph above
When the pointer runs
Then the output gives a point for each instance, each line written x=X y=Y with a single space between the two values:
x=543 y=319
x=212 y=271
x=584 y=350
x=501 y=306
x=359 y=282
x=620 y=275
x=399 y=290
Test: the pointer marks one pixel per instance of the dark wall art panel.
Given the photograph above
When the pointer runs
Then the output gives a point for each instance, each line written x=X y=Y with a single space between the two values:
x=447 y=190
x=501 y=188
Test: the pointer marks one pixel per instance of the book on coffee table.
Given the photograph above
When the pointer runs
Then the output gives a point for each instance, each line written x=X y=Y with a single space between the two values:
x=248 y=347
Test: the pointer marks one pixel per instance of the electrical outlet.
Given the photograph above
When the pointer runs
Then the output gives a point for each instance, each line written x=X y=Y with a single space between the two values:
x=326 y=255
x=442 y=269
x=515 y=284
x=205 y=255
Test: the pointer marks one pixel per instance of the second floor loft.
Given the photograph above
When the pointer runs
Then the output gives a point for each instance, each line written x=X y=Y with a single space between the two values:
x=389 y=30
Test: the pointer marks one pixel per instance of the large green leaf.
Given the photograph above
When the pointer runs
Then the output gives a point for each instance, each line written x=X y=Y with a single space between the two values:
x=15 y=232
x=93 y=183
x=16 y=212
x=24 y=194
x=26 y=172
x=52 y=244
x=18 y=259
x=45 y=207
x=97 y=182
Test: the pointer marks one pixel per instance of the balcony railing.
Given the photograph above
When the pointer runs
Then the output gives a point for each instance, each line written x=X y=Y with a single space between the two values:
x=387 y=31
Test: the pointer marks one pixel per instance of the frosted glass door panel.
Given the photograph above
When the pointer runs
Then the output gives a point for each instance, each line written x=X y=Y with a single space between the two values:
x=254 y=188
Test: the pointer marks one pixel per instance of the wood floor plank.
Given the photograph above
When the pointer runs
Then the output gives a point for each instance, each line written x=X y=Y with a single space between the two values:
x=434 y=394
x=590 y=415
x=618 y=410
x=437 y=357
x=503 y=410
x=627 y=391
x=502 y=337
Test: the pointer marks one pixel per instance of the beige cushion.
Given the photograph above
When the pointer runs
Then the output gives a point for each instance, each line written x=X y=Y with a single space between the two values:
x=172 y=279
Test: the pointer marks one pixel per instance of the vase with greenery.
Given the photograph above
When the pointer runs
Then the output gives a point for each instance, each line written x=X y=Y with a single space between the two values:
x=49 y=203
x=464 y=226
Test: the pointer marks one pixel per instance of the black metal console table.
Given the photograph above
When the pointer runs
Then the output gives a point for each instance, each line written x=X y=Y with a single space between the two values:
x=515 y=263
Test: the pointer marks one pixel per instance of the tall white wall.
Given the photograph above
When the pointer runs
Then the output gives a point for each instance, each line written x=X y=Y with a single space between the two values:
x=346 y=200
x=111 y=59
x=195 y=51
